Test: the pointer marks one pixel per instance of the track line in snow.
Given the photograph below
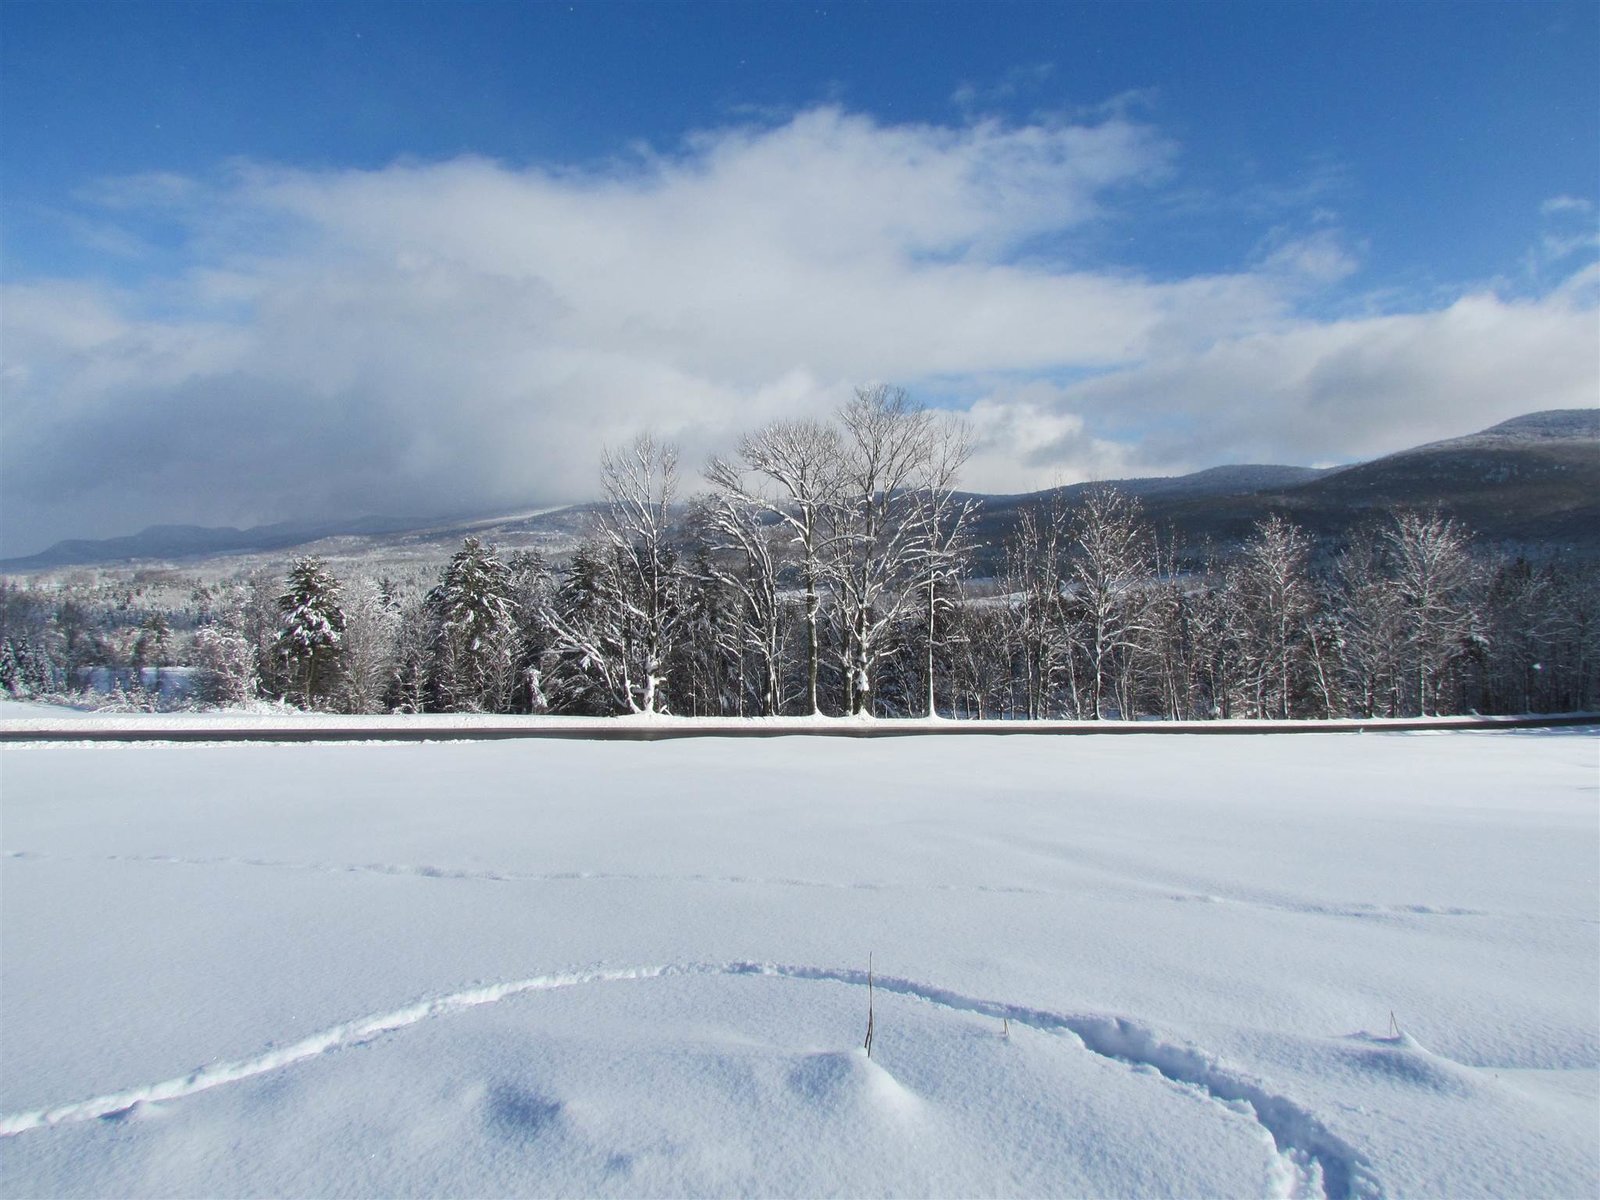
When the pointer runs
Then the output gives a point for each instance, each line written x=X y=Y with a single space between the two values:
x=349 y=1033
x=1314 y=1160
x=1348 y=910
x=1315 y=908
x=489 y=876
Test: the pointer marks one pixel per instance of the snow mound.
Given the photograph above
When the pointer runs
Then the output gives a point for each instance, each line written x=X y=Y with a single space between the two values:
x=700 y=1080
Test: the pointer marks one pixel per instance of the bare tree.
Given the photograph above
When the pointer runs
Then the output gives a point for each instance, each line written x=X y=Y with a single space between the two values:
x=799 y=462
x=258 y=623
x=1371 y=627
x=1034 y=584
x=738 y=524
x=371 y=630
x=416 y=640
x=1218 y=652
x=1324 y=653
x=622 y=613
x=1172 y=637
x=1110 y=564
x=1434 y=576
x=980 y=660
x=713 y=670
x=223 y=653
x=888 y=445
x=1569 y=664
x=1272 y=588
x=943 y=548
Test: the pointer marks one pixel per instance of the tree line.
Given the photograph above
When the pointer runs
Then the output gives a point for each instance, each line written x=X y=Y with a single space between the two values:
x=826 y=568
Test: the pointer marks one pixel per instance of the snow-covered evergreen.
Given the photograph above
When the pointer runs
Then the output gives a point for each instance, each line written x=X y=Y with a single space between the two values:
x=476 y=611
x=310 y=639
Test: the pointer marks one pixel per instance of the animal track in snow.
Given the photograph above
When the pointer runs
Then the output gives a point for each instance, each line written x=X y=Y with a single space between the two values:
x=1314 y=1161
x=426 y=871
x=1324 y=909
x=1358 y=911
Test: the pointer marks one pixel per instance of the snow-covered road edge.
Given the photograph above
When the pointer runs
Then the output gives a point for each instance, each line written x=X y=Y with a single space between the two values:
x=221 y=727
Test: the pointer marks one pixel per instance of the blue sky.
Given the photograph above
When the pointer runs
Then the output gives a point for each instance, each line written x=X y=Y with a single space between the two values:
x=275 y=260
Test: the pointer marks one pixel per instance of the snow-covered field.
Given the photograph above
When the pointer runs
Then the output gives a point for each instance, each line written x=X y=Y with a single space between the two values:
x=1115 y=966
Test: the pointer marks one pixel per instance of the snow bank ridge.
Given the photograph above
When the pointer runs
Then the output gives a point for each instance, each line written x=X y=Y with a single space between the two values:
x=1315 y=1161
x=223 y=727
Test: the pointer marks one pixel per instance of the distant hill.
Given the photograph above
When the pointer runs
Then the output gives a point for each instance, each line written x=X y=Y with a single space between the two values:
x=196 y=541
x=550 y=529
x=1533 y=482
x=1534 y=479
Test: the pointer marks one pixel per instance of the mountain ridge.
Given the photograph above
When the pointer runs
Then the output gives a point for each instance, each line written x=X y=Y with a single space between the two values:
x=1533 y=478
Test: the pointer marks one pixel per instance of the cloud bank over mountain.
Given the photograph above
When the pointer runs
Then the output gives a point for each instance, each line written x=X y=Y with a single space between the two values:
x=436 y=336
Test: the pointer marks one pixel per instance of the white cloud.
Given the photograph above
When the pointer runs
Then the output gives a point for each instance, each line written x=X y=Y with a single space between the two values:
x=1566 y=204
x=1335 y=390
x=1018 y=80
x=1318 y=258
x=445 y=335
x=1028 y=436
x=1555 y=248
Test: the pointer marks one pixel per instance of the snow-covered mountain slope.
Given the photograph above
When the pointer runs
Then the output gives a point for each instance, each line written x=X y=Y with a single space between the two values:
x=1532 y=479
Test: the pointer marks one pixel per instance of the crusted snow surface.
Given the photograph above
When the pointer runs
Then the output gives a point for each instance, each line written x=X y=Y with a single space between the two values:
x=1103 y=966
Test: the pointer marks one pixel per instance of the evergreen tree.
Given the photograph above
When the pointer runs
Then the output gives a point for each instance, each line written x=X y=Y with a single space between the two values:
x=476 y=652
x=151 y=646
x=78 y=639
x=586 y=660
x=310 y=638
x=532 y=584
x=416 y=637
x=27 y=665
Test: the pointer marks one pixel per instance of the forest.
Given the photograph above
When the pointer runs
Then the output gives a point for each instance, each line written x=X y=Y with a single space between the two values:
x=827 y=568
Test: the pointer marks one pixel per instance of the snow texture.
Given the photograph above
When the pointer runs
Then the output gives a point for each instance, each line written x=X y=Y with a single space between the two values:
x=1105 y=966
